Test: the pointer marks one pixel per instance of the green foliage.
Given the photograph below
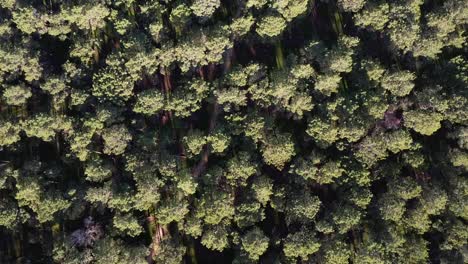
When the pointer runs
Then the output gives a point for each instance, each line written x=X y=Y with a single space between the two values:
x=255 y=243
x=45 y=205
x=193 y=226
x=240 y=168
x=361 y=197
x=8 y=214
x=22 y=19
x=423 y=121
x=328 y=84
x=241 y=26
x=392 y=207
x=458 y=204
x=416 y=251
x=45 y=126
x=300 y=244
x=371 y=150
x=97 y=170
x=373 y=15
x=398 y=83
x=171 y=209
x=370 y=253
x=214 y=207
x=234 y=97
x=351 y=5
x=16 y=95
x=459 y=158
x=374 y=70
x=113 y=82
x=205 y=8
x=54 y=86
x=336 y=252
x=286 y=89
x=323 y=131
x=149 y=102
x=271 y=26
x=290 y=9
x=241 y=76
x=187 y=101
x=186 y=183
x=215 y=238
x=89 y=17
x=442 y=29
x=218 y=141
x=263 y=189
x=432 y=202
x=346 y=218
x=194 y=141
x=116 y=139
x=15 y=62
x=256 y=3
x=405 y=188
x=339 y=58
x=303 y=207
x=277 y=150
x=248 y=214
x=277 y=131
x=456 y=237
x=127 y=224
x=179 y=16
x=114 y=251
x=461 y=134
x=9 y=133
x=170 y=252
x=398 y=140
x=315 y=169
x=200 y=48
x=78 y=97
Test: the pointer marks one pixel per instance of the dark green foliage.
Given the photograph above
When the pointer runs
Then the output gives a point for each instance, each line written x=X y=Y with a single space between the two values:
x=255 y=243
x=300 y=244
x=233 y=131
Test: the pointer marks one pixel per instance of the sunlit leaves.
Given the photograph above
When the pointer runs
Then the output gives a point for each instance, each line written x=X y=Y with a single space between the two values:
x=16 y=95
x=271 y=26
x=149 y=102
x=423 y=122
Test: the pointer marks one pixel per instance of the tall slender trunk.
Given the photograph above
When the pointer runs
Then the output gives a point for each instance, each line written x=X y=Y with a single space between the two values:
x=279 y=55
x=192 y=252
x=159 y=232
x=201 y=166
x=17 y=244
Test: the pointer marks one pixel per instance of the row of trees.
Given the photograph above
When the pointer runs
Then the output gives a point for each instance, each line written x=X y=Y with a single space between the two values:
x=247 y=131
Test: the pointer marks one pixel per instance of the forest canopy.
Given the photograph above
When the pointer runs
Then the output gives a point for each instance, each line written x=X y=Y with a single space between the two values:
x=233 y=131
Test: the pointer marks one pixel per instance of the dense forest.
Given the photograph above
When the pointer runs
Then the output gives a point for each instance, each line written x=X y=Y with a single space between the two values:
x=233 y=131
